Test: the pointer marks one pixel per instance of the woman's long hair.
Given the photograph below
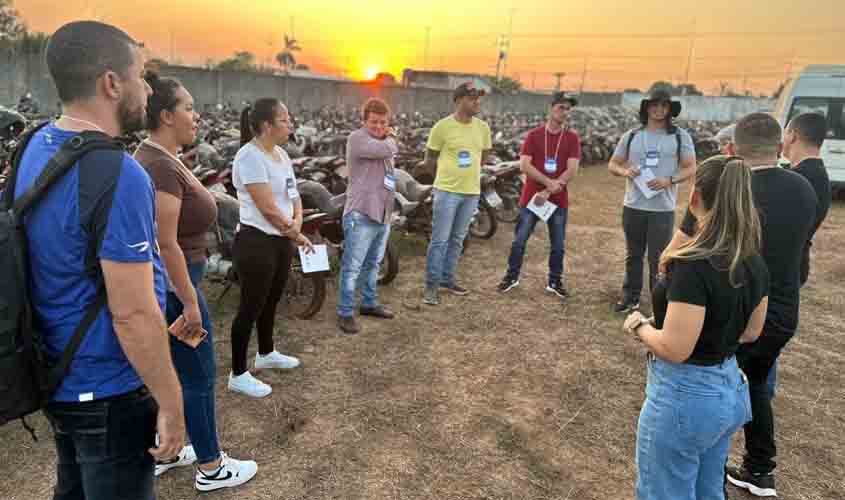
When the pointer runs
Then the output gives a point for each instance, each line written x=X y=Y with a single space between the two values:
x=730 y=231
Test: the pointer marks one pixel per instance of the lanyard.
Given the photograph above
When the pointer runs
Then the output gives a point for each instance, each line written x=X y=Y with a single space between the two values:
x=546 y=143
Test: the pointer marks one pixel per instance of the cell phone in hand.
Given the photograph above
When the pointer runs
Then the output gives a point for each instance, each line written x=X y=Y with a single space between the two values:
x=177 y=329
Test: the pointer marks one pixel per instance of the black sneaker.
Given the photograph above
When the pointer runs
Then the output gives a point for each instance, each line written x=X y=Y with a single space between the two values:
x=762 y=485
x=455 y=289
x=626 y=306
x=557 y=289
x=507 y=284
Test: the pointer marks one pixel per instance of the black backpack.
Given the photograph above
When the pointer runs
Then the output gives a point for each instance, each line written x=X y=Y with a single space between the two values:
x=634 y=132
x=28 y=379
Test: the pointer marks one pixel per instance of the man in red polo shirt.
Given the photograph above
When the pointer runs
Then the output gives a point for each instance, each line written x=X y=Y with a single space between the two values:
x=549 y=158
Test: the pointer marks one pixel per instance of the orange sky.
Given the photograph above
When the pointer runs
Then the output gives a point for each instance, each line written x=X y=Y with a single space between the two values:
x=749 y=44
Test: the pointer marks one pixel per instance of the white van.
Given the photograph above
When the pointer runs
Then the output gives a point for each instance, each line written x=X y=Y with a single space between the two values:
x=820 y=89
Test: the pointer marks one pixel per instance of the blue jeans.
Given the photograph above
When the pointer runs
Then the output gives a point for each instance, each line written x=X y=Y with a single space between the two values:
x=452 y=214
x=101 y=447
x=685 y=429
x=364 y=244
x=557 y=236
x=196 y=369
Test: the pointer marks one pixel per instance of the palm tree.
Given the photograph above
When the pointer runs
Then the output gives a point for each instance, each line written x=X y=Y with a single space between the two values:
x=285 y=58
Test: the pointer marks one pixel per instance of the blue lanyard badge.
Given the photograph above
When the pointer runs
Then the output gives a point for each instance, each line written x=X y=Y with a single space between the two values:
x=652 y=158
x=464 y=159
x=390 y=182
x=550 y=166
x=293 y=193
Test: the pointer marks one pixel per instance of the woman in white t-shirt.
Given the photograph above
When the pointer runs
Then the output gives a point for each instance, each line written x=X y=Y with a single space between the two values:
x=270 y=224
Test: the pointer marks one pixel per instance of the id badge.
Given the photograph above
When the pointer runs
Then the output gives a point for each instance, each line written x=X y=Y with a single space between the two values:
x=389 y=182
x=464 y=159
x=293 y=193
x=652 y=158
x=550 y=166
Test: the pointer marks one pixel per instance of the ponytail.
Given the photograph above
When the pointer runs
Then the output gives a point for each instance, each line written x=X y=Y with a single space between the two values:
x=263 y=111
x=730 y=230
x=246 y=128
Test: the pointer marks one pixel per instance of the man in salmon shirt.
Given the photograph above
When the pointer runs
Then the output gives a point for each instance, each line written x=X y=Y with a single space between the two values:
x=549 y=159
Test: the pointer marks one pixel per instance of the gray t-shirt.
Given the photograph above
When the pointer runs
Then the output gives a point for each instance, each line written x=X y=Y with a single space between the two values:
x=666 y=146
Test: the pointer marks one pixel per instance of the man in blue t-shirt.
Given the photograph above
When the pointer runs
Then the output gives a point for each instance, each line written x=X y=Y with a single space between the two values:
x=121 y=387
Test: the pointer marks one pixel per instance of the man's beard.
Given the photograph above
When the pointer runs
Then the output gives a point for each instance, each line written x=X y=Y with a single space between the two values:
x=130 y=120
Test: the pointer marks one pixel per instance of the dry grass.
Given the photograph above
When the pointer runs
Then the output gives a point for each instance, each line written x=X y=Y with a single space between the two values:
x=489 y=396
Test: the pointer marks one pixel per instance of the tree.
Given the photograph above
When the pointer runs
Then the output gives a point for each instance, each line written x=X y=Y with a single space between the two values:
x=31 y=43
x=385 y=79
x=241 y=61
x=303 y=67
x=632 y=91
x=681 y=89
x=286 y=58
x=11 y=26
x=505 y=84
x=661 y=85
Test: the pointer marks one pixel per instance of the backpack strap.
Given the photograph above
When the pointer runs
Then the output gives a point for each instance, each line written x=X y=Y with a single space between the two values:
x=71 y=151
x=9 y=192
x=630 y=141
x=678 y=140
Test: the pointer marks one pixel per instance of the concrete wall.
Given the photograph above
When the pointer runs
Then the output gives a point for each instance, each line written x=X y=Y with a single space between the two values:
x=21 y=73
x=722 y=109
x=28 y=73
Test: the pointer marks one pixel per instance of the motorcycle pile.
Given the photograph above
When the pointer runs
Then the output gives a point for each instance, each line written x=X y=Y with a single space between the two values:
x=317 y=149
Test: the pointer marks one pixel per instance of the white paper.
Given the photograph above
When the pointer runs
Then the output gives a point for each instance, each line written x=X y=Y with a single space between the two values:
x=642 y=180
x=543 y=211
x=314 y=262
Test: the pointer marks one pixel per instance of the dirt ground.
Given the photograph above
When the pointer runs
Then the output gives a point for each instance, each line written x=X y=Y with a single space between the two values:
x=490 y=396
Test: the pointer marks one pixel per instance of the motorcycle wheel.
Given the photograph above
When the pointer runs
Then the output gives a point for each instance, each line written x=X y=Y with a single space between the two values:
x=484 y=223
x=389 y=266
x=304 y=293
x=509 y=211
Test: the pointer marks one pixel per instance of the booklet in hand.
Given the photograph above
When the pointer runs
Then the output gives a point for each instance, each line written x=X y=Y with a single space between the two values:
x=177 y=329
x=543 y=211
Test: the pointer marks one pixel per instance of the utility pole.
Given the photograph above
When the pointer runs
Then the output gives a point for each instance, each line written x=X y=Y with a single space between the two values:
x=510 y=36
x=502 y=44
x=558 y=76
x=689 y=57
x=427 y=46
x=584 y=73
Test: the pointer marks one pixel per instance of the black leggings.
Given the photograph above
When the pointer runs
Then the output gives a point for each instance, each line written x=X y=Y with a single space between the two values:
x=263 y=263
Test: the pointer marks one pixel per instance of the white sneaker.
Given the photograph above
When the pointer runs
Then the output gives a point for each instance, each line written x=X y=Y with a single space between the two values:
x=231 y=473
x=186 y=457
x=249 y=385
x=275 y=360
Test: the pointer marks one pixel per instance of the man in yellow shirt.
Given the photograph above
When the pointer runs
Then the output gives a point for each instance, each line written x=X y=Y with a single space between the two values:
x=457 y=147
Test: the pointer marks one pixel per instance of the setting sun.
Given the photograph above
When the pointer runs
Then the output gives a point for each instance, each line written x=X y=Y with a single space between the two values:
x=371 y=72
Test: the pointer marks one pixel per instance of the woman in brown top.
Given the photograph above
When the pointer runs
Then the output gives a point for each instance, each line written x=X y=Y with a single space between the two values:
x=185 y=211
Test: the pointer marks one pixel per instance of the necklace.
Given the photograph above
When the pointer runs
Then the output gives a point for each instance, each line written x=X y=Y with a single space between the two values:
x=84 y=122
x=155 y=145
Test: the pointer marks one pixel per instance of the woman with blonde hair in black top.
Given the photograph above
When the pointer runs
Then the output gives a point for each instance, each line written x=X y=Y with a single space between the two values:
x=713 y=298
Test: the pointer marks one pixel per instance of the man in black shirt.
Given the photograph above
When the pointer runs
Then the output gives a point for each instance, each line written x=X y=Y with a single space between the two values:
x=786 y=203
x=802 y=143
